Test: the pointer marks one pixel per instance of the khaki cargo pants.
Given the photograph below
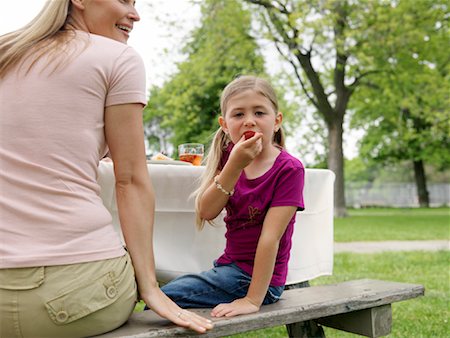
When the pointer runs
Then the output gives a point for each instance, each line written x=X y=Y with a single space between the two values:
x=75 y=300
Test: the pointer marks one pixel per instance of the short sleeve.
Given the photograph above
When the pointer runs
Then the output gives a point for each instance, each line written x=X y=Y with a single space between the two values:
x=127 y=82
x=289 y=187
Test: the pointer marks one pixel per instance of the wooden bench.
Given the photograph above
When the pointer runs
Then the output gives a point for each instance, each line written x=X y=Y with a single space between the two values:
x=359 y=306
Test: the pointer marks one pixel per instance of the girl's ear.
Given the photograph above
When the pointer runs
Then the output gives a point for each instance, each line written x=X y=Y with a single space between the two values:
x=223 y=124
x=278 y=121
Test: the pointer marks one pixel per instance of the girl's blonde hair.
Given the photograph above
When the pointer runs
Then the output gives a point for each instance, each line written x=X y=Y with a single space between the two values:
x=46 y=33
x=221 y=140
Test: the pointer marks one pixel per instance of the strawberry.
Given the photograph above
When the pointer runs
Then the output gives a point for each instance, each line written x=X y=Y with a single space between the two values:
x=248 y=134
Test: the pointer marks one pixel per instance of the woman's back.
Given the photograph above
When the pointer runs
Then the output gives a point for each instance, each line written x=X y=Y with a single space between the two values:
x=50 y=148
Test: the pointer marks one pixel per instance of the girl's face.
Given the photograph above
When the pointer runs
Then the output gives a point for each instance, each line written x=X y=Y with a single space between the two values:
x=250 y=110
x=113 y=19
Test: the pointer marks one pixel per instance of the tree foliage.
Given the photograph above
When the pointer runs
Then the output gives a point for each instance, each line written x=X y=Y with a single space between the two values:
x=404 y=108
x=185 y=109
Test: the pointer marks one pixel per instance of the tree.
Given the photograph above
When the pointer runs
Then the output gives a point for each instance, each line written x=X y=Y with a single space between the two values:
x=186 y=108
x=404 y=110
x=324 y=42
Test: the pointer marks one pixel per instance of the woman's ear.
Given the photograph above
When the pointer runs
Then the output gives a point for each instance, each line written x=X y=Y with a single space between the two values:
x=79 y=4
x=223 y=124
x=278 y=121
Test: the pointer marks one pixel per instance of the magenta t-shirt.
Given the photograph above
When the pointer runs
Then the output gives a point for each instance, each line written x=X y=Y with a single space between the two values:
x=281 y=185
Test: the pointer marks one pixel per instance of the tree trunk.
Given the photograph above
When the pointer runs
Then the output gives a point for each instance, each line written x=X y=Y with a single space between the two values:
x=288 y=35
x=336 y=164
x=421 y=184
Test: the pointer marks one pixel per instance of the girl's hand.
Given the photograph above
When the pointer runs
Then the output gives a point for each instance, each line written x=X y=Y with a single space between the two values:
x=157 y=301
x=238 y=307
x=245 y=150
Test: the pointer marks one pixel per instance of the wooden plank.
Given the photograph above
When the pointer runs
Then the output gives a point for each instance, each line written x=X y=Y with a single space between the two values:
x=296 y=305
x=374 y=322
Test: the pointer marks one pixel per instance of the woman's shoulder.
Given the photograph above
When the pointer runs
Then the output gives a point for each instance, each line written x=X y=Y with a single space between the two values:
x=105 y=46
x=107 y=41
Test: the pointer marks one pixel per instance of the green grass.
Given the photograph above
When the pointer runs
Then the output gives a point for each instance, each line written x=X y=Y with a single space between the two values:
x=425 y=317
x=382 y=224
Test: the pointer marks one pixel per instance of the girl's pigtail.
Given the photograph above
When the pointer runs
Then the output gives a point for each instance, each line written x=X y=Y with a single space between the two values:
x=213 y=158
x=279 y=138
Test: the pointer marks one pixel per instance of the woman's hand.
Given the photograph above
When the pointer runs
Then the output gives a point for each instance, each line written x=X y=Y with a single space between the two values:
x=245 y=150
x=157 y=301
x=238 y=307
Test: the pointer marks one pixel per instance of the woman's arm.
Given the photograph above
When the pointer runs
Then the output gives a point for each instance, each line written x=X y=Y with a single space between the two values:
x=275 y=223
x=136 y=205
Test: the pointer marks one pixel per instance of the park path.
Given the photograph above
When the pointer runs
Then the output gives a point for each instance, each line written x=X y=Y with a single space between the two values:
x=374 y=247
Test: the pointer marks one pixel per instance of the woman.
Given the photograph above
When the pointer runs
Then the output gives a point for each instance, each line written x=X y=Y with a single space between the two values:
x=70 y=90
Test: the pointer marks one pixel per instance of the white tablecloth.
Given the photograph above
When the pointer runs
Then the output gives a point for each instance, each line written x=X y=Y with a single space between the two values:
x=180 y=248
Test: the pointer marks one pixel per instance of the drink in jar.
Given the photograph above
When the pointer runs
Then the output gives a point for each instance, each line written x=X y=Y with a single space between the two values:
x=194 y=159
x=191 y=152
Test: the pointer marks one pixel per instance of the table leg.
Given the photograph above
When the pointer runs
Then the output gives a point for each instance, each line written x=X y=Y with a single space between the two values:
x=306 y=329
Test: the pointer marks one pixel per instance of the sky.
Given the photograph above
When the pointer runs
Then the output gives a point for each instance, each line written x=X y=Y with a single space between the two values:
x=154 y=39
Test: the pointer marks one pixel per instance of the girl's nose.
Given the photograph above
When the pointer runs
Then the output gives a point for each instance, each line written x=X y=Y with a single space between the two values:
x=249 y=121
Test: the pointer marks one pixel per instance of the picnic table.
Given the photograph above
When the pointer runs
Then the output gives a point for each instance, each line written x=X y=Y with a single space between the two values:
x=359 y=306
x=180 y=248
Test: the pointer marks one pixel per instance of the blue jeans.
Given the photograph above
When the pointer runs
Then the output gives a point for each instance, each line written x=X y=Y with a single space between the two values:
x=221 y=284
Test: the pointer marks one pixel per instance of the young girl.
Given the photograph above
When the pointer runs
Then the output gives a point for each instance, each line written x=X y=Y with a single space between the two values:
x=250 y=174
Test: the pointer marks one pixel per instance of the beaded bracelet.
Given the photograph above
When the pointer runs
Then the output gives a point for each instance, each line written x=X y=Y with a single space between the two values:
x=219 y=186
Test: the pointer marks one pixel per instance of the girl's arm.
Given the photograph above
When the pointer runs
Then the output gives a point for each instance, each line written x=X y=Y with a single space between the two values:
x=214 y=200
x=136 y=205
x=275 y=223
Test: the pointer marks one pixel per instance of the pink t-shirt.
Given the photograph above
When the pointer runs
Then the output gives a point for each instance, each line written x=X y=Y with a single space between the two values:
x=281 y=185
x=51 y=140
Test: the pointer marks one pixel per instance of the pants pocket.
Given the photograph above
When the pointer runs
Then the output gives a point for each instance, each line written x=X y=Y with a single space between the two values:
x=21 y=278
x=83 y=300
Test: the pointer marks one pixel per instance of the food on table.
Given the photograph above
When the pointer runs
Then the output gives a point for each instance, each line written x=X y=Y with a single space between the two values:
x=161 y=157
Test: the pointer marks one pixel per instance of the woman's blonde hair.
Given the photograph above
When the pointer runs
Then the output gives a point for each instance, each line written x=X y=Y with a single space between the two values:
x=45 y=32
x=221 y=140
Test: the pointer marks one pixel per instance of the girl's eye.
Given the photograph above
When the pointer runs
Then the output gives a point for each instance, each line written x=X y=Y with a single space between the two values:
x=259 y=113
x=238 y=114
